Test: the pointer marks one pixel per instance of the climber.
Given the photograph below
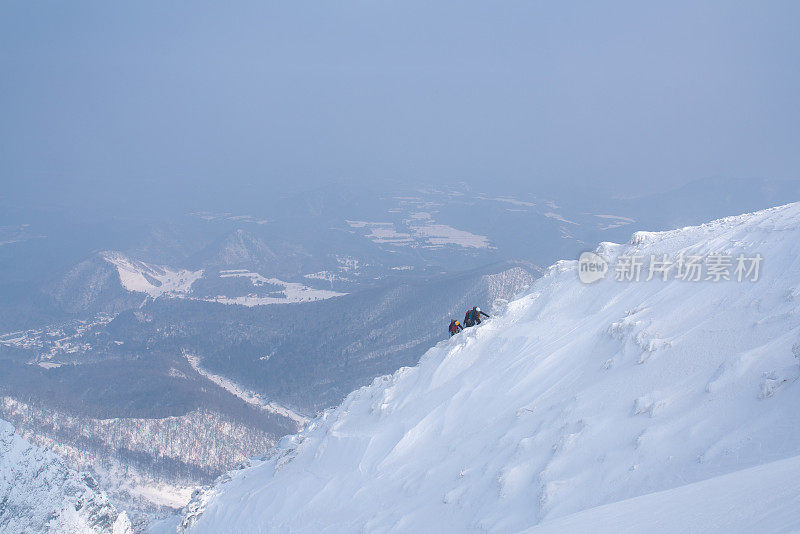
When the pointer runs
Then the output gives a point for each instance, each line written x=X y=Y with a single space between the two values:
x=455 y=327
x=473 y=317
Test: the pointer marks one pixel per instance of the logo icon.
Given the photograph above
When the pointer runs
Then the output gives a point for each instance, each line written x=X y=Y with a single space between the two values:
x=591 y=267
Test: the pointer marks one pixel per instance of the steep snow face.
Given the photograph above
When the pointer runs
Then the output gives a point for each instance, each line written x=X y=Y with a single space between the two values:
x=39 y=494
x=758 y=499
x=575 y=397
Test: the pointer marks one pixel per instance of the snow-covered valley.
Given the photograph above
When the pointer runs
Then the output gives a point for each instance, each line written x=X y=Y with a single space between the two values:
x=621 y=405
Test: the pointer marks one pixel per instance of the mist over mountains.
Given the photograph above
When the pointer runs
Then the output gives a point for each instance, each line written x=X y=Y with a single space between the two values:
x=234 y=239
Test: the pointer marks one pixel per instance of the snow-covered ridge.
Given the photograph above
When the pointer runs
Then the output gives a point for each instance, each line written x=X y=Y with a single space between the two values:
x=39 y=494
x=576 y=397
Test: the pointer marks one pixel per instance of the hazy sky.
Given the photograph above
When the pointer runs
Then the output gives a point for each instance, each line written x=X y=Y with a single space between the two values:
x=216 y=96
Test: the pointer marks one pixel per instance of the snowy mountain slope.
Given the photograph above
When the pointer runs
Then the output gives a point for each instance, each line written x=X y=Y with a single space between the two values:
x=758 y=499
x=90 y=287
x=577 y=396
x=39 y=494
x=153 y=280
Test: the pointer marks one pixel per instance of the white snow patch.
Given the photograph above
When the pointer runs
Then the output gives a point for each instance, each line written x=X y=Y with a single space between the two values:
x=556 y=216
x=163 y=494
x=424 y=232
x=154 y=280
x=616 y=218
x=614 y=221
x=441 y=234
x=514 y=201
x=383 y=232
x=290 y=292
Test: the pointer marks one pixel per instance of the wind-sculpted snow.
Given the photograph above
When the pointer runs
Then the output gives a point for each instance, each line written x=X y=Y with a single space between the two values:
x=39 y=494
x=721 y=504
x=577 y=396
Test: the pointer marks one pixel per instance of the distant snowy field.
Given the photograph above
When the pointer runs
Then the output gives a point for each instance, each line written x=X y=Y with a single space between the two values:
x=158 y=280
x=422 y=231
x=620 y=406
x=153 y=280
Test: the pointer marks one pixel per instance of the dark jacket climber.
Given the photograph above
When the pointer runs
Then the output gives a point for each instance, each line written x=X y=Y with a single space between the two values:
x=455 y=327
x=473 y=317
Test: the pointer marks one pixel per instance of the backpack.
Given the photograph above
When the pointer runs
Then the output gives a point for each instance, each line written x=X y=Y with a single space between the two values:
x=468 y=320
